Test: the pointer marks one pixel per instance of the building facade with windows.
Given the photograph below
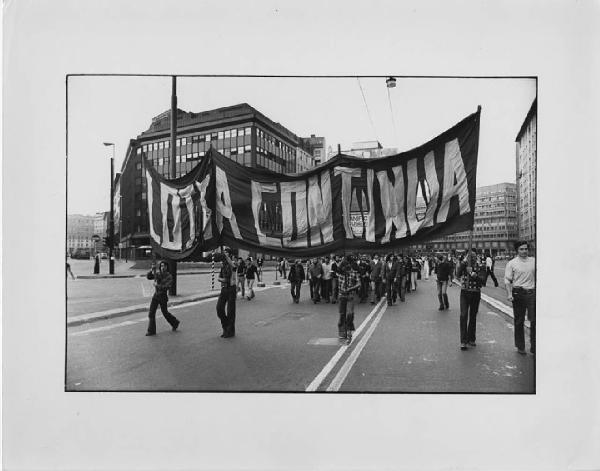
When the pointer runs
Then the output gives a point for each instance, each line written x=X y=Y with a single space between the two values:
x=494 y=228
x=80 y=229
x=315 y=147
x=239 y=132
x=526 y=156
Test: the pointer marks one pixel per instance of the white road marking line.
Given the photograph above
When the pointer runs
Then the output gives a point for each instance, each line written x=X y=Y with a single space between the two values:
x=339 y=379
x=136 y=321
x=314 y=385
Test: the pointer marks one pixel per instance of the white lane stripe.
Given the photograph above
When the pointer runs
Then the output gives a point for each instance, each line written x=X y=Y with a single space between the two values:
x=349 y=363
x=136 y=321
x=314 y=385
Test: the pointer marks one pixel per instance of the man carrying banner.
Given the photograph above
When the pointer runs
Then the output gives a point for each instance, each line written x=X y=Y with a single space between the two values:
x=227 y=296
x=295 y=278
x=519 y=278
x=471 y=272
x=349 y=283
x=162 y=283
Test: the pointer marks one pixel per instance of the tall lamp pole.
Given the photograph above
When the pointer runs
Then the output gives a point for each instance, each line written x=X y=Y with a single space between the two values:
x=111 y=221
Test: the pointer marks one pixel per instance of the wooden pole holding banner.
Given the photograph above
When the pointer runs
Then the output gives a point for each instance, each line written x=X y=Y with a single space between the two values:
x=212 y=280
x=173 y=168
x=469 y=254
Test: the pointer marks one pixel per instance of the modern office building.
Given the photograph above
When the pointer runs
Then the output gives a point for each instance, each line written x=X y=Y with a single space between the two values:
x=494 y=228
x=80 y=229
x=239 y=132
x=526 y=154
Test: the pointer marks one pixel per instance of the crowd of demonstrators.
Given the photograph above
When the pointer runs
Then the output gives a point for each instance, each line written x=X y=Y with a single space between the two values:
x=519 y=279
x=162 y=282
x=354 y=279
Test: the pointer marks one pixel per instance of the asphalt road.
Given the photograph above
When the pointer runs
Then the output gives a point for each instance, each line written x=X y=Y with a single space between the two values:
x=286 y=347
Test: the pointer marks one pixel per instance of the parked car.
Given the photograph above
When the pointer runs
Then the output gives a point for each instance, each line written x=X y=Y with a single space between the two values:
x=103 y=256
x=81 y=254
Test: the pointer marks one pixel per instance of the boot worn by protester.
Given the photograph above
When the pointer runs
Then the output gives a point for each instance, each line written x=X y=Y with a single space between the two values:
x=441 y=300
x=446 y=303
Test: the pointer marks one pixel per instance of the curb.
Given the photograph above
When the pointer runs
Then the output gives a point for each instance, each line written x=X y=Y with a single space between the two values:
x=119 y=312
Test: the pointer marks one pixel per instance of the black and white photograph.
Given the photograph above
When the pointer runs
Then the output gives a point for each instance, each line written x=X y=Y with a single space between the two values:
x=300 y=235
x=338 y=234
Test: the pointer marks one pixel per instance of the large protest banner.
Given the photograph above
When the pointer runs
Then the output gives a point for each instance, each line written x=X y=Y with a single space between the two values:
x=346 y=204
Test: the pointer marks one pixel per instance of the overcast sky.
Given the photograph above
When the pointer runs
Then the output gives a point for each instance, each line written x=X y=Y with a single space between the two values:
x=116 y=109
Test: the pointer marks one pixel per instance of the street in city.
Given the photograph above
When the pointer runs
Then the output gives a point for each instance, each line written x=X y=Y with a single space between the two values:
x=284 y=347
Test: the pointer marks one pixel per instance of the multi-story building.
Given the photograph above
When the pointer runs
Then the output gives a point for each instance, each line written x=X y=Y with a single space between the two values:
x=239 y=132
x=101 y=223
x=370 y=150
x=80 y=229
x=495 y=225
x=315 y=146
x=526 y=154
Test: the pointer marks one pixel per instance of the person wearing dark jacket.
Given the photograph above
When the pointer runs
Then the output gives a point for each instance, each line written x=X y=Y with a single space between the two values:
x=241 y=276
x=315 y=273
x=389 y=276
x=376 y=279
x=227 y=296
x=349 y=284
x=162 y=282
x=295 y=278
x=471 y=273
x=444 y=272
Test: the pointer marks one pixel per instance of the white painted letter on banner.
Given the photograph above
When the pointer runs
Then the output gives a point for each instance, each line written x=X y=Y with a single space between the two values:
x=223 y=203
x=454 y=167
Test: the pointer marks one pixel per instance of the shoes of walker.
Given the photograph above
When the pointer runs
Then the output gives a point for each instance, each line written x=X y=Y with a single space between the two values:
x=463 y=346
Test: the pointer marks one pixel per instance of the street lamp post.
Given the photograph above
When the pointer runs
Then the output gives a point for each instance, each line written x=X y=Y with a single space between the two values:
x=111 y=221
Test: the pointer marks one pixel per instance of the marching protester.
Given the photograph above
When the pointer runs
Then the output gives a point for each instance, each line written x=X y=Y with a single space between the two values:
x=295 y=277
x=259 y=264
x=349 y=283
x=489 y=269
x=376 y=269
x=251 y=271
x=425 y=273
x=401 y=278
x=519 y=278
x=443 y=271
x=69 y=271
x=282 y=267
x=389 y=275
x=241 y=276
x=415 y=271
x=364 y=272
x=227 y=296
x=315 y=273
x=334 y=279
x=162 y=282
x=326 y=280
x=471 y=272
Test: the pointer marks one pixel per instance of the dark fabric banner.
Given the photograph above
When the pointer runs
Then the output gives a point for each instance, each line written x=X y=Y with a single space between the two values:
x=347 y=204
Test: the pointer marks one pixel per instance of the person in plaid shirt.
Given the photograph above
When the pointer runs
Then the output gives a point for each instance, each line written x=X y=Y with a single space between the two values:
x=349 y=283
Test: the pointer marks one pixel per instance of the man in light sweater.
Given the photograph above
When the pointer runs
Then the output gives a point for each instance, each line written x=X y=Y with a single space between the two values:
x=519 y=278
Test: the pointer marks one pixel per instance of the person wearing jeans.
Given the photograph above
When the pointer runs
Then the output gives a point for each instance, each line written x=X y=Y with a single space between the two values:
x=519 y=278
x=349 y=283
x=295 y=278
x=162 y=282
x=472 y=275
x=443 y=277
x=227 y=296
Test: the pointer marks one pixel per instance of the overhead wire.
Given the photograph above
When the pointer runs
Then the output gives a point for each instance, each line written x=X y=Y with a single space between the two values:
x=367 y=108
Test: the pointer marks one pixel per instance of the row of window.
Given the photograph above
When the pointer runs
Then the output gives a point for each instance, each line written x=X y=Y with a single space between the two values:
x=208 y=137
